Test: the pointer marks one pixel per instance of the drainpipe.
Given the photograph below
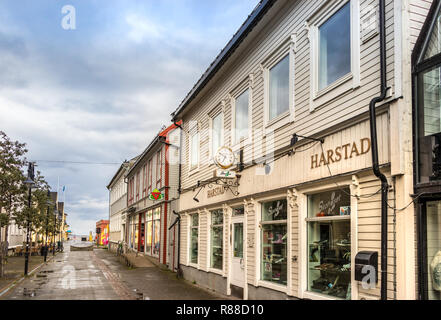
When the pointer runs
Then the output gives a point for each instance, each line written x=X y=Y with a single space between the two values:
x=375 y=164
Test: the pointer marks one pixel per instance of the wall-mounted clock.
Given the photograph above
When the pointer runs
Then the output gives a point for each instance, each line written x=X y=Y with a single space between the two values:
x=224 y=157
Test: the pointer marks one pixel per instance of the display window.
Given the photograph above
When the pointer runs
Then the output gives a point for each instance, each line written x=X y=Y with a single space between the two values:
x=217 y=220
x=274 y=242
x=194 y=235
x=156 y=231
x=329 y=243
x=148 y=231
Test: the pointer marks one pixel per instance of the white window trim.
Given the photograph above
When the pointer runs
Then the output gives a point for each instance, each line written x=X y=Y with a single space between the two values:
x=209 y=227
x=189 y=263
x=211 y=152
x=258 y=252
x=348 y=82
x=194 y=129
x=287 y=47
x=302 y=201
x=246 y=84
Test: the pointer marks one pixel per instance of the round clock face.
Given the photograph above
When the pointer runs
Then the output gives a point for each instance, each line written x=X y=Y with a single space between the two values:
x=224 y=157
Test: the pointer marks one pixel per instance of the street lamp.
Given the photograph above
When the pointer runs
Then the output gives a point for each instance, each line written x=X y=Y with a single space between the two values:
x=29 y=183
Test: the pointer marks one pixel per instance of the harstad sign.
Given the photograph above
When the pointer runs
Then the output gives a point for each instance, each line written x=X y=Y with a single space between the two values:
x=344 y=152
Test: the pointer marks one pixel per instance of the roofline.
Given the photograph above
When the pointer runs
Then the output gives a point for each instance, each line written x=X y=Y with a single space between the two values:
x=117 y=173
x=252 y=20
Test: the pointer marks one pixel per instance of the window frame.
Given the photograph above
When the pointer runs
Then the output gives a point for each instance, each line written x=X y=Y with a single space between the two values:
x=150 y=177
x=287 y=47
x=246 y=84
x=159 y=169
x=192 y=132
x=348 y=82
x=211 y=226
x=211 y=117
x=191 y=227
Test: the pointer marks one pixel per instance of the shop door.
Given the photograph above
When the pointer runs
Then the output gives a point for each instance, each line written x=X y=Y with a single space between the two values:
x=237 y=262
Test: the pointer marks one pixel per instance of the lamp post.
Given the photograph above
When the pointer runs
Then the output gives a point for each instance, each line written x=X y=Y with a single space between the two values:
x=29 y=183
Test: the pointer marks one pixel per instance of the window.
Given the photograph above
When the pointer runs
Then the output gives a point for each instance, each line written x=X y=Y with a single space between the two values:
x=279 y=88
x=217 y=220
x=144 y=180
x=216 y=133
x=274 y=242
x=150 y=175
x=159 y=169
x=149 y=228
x=329 y=243
x=241 y=115
x=137 y=185
x=334 y=34
x=156 y=231
x=335 y=47
x=194 y=234
x=194 y=151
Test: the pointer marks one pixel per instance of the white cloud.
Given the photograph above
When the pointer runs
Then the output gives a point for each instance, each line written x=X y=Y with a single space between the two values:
x=141 y=28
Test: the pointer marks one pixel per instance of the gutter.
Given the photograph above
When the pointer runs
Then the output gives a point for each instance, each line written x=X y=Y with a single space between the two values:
x=374 y=142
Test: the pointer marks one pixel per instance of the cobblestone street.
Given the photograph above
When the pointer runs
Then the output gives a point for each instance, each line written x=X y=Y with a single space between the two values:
x=98 y=275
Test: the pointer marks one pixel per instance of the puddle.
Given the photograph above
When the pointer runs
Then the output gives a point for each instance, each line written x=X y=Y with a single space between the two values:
x=47 y=271
x=41 y=275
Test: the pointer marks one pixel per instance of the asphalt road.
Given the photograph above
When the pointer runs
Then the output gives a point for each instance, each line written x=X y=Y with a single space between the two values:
x=98 y=275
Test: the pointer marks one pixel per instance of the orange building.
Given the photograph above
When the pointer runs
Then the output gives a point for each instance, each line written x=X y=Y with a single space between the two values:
x=102 y=232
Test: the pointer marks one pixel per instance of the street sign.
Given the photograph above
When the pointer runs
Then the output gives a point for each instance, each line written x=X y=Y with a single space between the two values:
x=225 y=174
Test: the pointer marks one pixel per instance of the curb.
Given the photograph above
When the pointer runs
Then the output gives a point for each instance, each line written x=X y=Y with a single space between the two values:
x=4 y=290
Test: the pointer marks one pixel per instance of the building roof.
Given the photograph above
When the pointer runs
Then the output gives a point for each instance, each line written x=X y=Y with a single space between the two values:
x=256 y=15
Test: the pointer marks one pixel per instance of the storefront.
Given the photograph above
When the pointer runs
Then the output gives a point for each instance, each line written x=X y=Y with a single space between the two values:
x=427 y=153
x=295 y=230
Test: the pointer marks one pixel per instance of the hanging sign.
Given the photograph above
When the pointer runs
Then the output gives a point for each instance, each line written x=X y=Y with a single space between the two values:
x=156 y=195
x=221 y=173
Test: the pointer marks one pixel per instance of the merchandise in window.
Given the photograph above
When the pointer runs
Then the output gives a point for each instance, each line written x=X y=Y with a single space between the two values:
x=194 y=234
x=335 y=47
x=149 y=223
x=238 y=240
x=241 y=115
x=329 y=243
x=279 y=88
x=274 y=238
x=217 y=220
x=433 y=216
x=156 y=230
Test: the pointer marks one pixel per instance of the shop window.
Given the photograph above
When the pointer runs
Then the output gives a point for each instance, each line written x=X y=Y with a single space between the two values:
x=156 y=232
x=274 y=242
x=194 y=235
x=148 y=231
x=433 y=249
x=329 y=243
x=217 y=220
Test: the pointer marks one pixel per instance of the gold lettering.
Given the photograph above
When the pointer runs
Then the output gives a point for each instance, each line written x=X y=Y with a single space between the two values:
x=346 y=150
x=354 y=150
x=314 y=161
x=330 y=156
x=368 y=148
x=338 y=154
x=322 y=159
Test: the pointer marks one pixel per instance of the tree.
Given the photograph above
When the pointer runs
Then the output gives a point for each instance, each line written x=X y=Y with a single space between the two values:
x=12 y=189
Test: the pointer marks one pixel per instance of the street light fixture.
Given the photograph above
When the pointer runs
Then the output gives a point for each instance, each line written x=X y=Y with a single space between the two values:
x=29 y=183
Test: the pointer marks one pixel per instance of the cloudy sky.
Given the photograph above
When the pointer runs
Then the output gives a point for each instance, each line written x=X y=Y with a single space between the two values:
x=101 y=92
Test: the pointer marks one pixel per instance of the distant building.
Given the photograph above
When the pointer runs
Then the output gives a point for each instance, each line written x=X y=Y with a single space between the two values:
x=102 y=232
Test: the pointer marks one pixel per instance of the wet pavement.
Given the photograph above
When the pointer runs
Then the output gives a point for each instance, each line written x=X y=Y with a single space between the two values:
x=99 y=275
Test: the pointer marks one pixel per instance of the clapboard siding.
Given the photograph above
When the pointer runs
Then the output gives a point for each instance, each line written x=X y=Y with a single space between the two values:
x=288 y=20
x=369 y=232
x=418 y=10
